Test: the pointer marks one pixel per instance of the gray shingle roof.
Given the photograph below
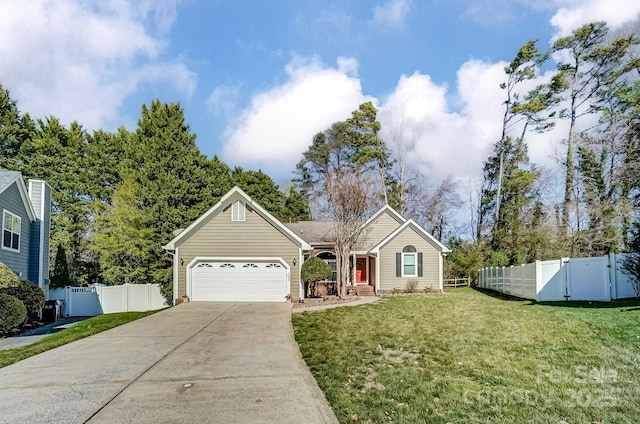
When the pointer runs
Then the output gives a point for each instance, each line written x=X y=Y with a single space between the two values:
x=313 y=232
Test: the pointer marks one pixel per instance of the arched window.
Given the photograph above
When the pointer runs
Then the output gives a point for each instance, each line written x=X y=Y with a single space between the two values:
x=330 y=259
x=409 y=264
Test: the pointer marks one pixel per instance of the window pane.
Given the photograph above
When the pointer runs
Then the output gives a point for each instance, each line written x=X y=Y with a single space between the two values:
x=6 y=239
x=7 y=221
x=409 y=265
x=16 y=225
x=15 y=244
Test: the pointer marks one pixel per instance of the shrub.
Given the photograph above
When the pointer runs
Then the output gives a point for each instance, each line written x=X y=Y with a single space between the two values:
x=7 y=277
x=29 y=294
x=411 y=286
x=315 y=269
x=428 y=289
x=12 y=312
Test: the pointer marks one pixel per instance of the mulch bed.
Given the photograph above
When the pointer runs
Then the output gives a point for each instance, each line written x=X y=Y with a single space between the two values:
x=327 y=300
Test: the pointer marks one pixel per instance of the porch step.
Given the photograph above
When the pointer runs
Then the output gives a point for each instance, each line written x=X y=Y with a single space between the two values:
x=365 y=291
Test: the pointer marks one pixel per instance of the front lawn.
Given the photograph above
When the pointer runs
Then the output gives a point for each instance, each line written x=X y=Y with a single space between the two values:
x=78 y=331
x=470 y=357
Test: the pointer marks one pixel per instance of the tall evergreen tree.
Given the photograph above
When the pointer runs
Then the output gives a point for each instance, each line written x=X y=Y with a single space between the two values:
x=518 y=197
x=57 y=155
x=125 y=240
x=15 y=129
x=172 y=175
x=296 y=207
x=261 y=188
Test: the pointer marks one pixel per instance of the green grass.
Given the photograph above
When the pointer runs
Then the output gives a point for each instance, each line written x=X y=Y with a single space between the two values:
x=470 y=357
x=80 y=330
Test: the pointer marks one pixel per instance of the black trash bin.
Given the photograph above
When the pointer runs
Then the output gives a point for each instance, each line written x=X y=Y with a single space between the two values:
x=51 y=311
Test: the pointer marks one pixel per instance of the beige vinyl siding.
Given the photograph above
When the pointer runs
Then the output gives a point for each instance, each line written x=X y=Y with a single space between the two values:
x=253 y=237
x=430 y=262
x=377 y=230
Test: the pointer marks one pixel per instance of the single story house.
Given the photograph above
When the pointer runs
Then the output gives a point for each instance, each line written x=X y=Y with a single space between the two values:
x=26 y=224
x=237 y=251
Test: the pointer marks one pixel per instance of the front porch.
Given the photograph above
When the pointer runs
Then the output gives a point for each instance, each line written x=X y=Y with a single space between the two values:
x=362 y=266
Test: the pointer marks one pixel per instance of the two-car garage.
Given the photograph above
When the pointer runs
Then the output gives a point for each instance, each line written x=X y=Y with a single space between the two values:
x=239 y=280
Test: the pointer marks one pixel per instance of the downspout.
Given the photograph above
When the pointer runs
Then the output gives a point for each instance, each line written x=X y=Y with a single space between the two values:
x=175 y=275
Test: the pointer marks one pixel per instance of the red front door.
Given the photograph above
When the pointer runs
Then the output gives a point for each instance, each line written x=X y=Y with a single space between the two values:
x=361 y=270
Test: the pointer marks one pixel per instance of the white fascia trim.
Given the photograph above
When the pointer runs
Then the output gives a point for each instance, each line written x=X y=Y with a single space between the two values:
x=24 y=194
x=418 y=229
x=361 y=252
x=387 y=208
x=218 y=206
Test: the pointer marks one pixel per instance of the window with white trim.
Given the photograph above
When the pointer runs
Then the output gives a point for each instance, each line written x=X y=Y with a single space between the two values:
x=11 y=226
x=237 y=211
x=409 y=261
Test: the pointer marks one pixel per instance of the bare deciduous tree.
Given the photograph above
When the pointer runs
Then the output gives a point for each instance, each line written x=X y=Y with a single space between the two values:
x=433 y=210
x=348 y=206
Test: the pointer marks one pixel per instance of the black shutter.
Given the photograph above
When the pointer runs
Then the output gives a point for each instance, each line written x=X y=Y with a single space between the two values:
x=419 y=264
x=398 y=264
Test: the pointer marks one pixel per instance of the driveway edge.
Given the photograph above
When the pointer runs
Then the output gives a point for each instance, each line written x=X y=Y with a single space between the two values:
x=322 y=405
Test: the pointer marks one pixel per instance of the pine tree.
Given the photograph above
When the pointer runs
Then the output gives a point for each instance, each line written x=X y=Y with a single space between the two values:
x=60 y=275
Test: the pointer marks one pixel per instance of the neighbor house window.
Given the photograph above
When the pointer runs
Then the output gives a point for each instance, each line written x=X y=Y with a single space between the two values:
x=237 y=211
x=11 y=231
x=409 y=262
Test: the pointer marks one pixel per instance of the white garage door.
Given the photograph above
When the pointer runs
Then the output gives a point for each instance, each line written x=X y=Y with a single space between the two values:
x=239 y=281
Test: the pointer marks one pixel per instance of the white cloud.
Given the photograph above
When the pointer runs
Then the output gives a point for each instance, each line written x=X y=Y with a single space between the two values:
x=278 y=126
x=80 y=60
x=280 y=123
x=446 y=142
x=392 y=14
x=573 y=14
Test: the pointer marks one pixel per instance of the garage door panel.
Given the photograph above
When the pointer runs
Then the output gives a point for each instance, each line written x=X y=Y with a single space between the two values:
x=239 y=282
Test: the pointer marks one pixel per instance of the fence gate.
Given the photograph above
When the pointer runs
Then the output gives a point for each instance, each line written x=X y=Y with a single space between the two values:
x=589 y=279
x=83 y=302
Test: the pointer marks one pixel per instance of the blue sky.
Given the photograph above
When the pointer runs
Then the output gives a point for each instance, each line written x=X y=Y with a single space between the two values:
x=258 y=78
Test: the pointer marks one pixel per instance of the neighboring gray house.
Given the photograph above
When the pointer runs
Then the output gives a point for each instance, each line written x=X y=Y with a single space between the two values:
x=26 y=223
x=237 y=251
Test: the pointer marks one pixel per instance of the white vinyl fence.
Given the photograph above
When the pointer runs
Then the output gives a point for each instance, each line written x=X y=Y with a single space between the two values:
x=596 y=279
x=91 y=301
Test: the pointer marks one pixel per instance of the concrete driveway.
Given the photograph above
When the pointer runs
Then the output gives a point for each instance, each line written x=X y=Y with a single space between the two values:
x=197 y=362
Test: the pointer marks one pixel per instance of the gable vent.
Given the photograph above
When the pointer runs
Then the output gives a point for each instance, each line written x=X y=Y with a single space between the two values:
x=237 y=211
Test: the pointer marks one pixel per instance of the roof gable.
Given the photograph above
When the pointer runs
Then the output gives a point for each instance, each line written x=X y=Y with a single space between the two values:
x=7 y=179
x=411 y=224
x=234 y=194
x=379 y=226
x=385 y=209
